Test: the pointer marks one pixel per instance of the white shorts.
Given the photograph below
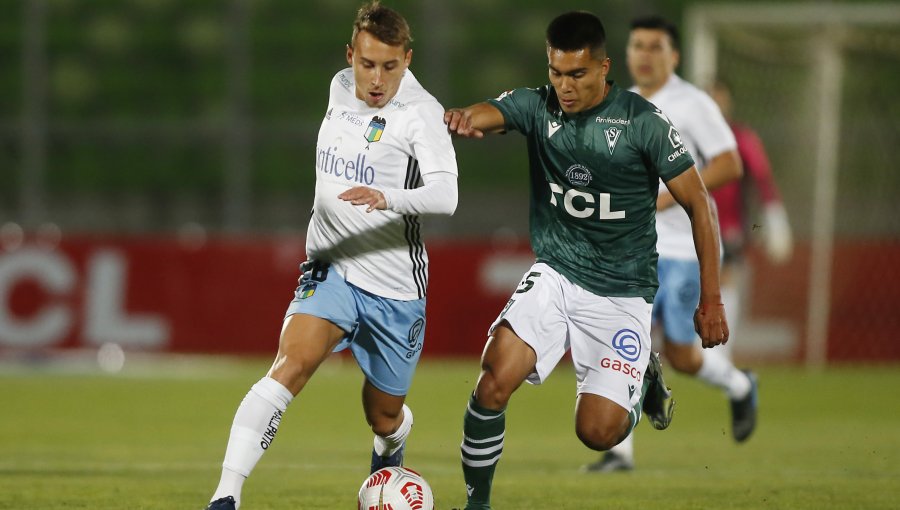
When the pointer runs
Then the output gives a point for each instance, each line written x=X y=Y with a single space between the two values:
x=609 y=336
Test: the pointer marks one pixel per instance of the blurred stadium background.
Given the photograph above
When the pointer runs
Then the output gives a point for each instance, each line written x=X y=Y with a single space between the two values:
x=156 y=156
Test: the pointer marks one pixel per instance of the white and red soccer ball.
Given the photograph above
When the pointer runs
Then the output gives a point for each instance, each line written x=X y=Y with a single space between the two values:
x=395 y=488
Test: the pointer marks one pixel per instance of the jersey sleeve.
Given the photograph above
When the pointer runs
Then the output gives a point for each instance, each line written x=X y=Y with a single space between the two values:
x=430 y=141
x=433 y=152
x=711 y=133
x=519 y=107
x=662 y=145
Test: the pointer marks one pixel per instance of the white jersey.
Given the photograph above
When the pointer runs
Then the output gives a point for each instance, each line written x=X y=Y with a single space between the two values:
x=388 y=148
x=705 y=133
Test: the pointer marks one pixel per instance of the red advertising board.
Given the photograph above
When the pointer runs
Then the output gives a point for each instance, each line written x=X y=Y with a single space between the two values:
x=219 y=296
x=228 y=295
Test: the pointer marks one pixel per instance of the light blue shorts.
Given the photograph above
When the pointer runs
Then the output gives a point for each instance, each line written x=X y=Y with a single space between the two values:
x=384 y=335
x=677 y=299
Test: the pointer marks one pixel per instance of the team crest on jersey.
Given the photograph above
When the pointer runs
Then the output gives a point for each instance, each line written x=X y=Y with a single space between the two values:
x=612 y=136
x=375 y=129
x=578 y=175
x=307 y=290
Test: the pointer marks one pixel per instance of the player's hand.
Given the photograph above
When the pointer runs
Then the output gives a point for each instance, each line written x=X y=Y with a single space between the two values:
x=362 y=195
x=459 y=122
x=711 y=324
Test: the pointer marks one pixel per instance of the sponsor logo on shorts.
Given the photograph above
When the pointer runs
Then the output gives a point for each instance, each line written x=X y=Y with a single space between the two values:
x=627 y=344
x=414 y=338
x=415 y=331
x=626 y=368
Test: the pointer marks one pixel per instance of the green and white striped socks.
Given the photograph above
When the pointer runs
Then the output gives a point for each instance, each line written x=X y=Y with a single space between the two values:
x=483 y=431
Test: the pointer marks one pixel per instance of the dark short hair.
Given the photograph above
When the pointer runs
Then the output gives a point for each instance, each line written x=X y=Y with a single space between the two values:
x=655 y=22
x=576 y=30
x=386 y=24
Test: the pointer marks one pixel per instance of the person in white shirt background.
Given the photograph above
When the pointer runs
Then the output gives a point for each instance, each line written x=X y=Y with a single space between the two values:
x=653 y=54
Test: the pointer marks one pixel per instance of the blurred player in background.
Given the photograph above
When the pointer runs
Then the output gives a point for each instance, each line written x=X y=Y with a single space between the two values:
x=384 y=157
x=652 y=57
x=733 y=200
x=596 y=153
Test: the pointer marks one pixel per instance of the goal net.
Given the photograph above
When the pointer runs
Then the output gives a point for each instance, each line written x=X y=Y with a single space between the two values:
x=819 y=83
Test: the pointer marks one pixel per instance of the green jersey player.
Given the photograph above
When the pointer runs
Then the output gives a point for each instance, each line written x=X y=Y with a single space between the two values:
x=596 y=153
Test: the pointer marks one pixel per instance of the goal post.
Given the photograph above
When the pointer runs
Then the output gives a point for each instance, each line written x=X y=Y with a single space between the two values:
x=770 y=37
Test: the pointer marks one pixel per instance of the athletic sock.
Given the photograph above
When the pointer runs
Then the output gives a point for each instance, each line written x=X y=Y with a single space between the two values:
x=718 y=371
x=252 y=432
x=634 y=415
x=625 y=449
x=483 y=431
x=388 y=445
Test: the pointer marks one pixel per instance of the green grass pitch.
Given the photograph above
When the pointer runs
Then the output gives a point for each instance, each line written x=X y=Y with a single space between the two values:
x=153 y=436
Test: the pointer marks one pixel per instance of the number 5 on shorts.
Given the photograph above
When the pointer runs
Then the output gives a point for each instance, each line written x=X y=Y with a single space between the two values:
x=526 y=283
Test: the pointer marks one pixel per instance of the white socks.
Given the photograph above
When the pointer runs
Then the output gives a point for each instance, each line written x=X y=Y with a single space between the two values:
x=717 y=370
x=386 y=446
x=252 y=431
x=625 y=449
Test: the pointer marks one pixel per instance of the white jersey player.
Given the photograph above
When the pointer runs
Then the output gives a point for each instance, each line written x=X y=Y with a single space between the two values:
x=652 y=56
x=394 y=149
x=383 y=158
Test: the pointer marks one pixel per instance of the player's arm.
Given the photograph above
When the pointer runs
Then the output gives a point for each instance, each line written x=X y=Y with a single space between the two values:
x=722 y=169
x=437 y=195
x=709 y=319
x=474 y=121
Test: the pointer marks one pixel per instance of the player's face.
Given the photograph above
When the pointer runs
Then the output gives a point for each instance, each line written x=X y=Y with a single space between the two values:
x=578 y=78
x=377 y=68
x=651 y=58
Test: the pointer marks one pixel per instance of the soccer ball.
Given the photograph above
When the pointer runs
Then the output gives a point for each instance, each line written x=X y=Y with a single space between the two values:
x=395 y=488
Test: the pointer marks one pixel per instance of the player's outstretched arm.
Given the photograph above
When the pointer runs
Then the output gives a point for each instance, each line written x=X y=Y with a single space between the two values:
x=474 y=121
x=709 y=318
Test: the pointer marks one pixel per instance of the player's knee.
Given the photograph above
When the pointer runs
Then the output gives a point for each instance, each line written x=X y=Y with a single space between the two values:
x=685 y=359
x=491 y=393
x=599 y=436
x=383 y=427
x=291 y=373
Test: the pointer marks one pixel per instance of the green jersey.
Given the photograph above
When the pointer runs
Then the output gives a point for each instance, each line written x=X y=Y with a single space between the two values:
x=594 y=182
